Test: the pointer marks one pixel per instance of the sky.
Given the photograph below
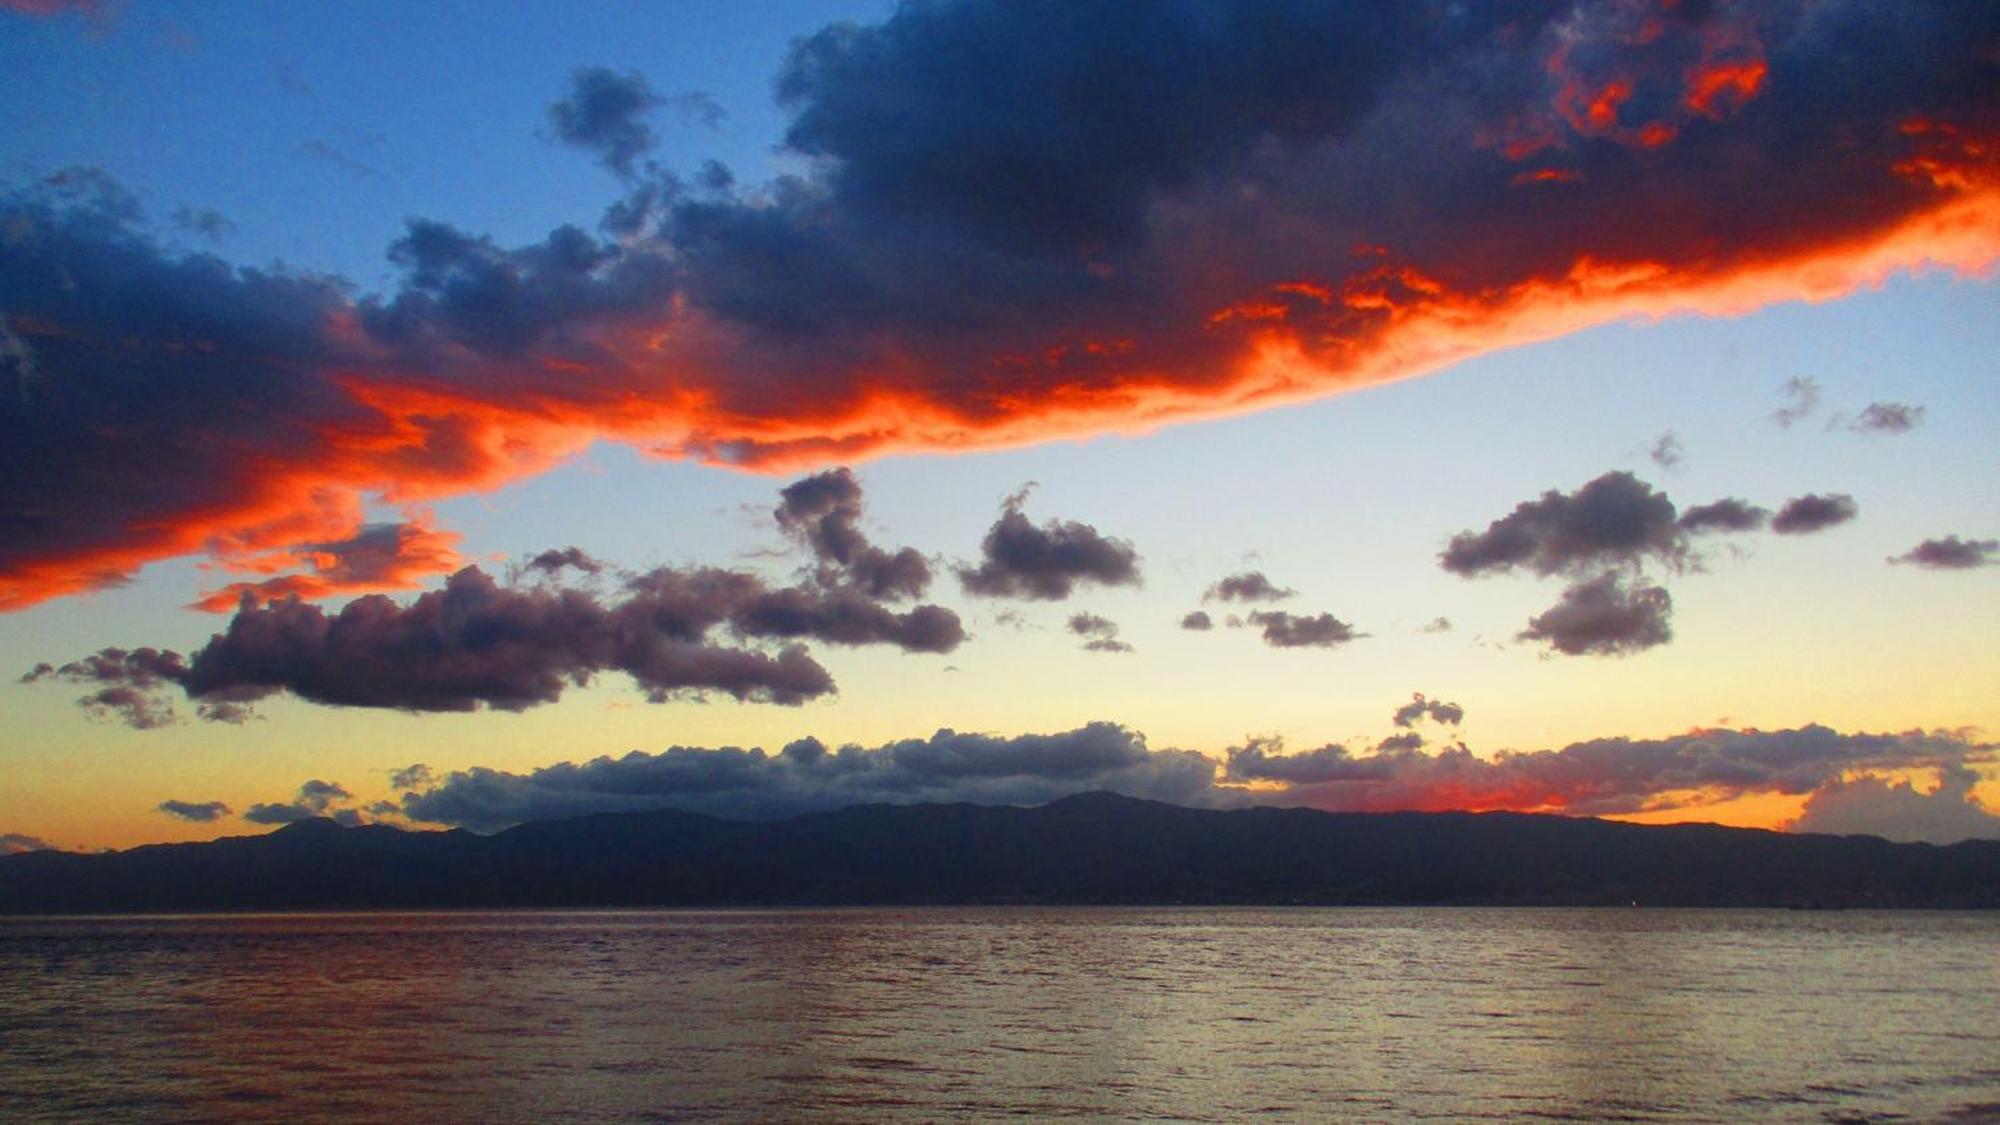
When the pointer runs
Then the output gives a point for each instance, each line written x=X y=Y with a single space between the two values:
x=447 y=416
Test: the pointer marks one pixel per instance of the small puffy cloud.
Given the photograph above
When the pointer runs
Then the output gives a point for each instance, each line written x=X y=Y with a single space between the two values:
x=1101 y=634
x=1045 y=562
x=1249 y=586
x=824 y=512
x=14 y=843
x=555 y=560
x=1198 y=621
x=1951 y=553
x=1436 y=625
x=1436 y=710
x=127 y=681
x=416 y=776
x=1887 y=418
x=198 y=812
x=1813 y=512
x=1605 y=616
x=1727 y=514
x=1897 y=810
x=1666 y=451
x=1298 y=630
x=315 y=798
x=808 y=776
x=605 y=112
x=1615 y=519
x=1801 y=399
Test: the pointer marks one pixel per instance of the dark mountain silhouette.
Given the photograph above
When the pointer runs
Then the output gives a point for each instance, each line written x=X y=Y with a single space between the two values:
x=1095 y=848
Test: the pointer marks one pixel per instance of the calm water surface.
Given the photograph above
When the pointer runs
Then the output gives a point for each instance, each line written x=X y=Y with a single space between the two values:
x=984 y=1013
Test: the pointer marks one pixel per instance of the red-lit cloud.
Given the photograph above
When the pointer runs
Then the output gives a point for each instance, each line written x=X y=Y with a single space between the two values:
x=1354 y=193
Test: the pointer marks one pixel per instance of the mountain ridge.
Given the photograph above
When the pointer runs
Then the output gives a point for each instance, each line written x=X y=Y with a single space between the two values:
x=1097 y=848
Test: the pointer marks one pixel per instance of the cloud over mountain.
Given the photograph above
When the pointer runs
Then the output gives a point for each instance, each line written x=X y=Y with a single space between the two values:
x=808 y=776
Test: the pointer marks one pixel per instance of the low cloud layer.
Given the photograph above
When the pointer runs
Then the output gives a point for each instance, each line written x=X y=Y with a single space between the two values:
x=1898 y=810
x=1602 y=776
x=1046 y=562
x=14 y=843
x=1607 y=776
x=808 y=776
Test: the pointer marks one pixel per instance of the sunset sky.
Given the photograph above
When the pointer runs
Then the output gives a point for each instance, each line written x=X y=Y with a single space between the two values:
x=452 y=415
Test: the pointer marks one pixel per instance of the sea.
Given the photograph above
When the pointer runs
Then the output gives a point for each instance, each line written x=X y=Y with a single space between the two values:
x=945 y=1014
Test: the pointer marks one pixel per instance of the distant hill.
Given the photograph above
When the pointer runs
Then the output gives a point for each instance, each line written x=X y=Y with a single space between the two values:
x=1094 y=848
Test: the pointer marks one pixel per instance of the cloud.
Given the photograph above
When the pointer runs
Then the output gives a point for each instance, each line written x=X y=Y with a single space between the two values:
x=1667 y=452
x=1438 y=711
x=1101 y=634
x=1896 y=810
x=315 y=799
x=1289 y=630
x=1801 y=401
x=204 y=221
x=1727 y=514
x=1604 y=616
x=378 y=557
x=554 y=560
x=824 y=512
x=1436 y=625
x=972 y=258
x=197 y=812
x=1021 y=560
x=14 y=843
x=605 y=112
x=808 y=776
x=1599 y=777
x=475 y=643
x=417 y=776
x=1198 y=621
x=1887 y=418
x=1813 y=512
x=1250 y=586
x=129 y=682
x=1951 y=553
x=1615 y=519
